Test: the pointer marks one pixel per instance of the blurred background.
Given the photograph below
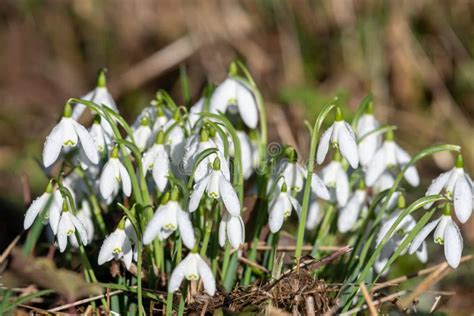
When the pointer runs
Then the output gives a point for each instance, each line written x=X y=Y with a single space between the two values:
x=415 y=57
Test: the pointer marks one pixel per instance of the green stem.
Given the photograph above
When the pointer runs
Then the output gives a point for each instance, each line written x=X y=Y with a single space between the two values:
x=139 y=279
x=307 y=185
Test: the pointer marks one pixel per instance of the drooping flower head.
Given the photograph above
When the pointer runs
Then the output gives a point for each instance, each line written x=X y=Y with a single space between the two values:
x=458 y=188
x=218 y=187
x=280 y=208
x=341 y=136
x=193 y=268
x=114 y=176
x=119 y=245
x=169 y=217
x=231 y=228
x=156 y=160
x=356 y=204
x=387 y=157
x=336 y=179
x=142 y=133
x=369 y=141
x=68 y=134
x=67 y=227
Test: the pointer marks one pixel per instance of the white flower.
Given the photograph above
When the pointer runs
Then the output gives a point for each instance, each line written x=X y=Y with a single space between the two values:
x=85 y=217
x=68 y=225
x=119 y=245
x=176 y=139
x=142 y=134
x=341 y=136
x=217 y=186
x=239 y=97
x=157 y=161
x=335 y=177
x=168 y=218
x=384 y=182
x=280 y=209
x=369 y=144
x=350 y=212
x=192 y=268
x=100 y=96
x=447 y=233
x=101 y=139
x=458 y=187
x=388 y=156
x=313 y=214
x=231 y=228
x=195 y=145
x=246 y=153
x=194 y=112
x=114 y=175
x=68 y=134
x=49 y=198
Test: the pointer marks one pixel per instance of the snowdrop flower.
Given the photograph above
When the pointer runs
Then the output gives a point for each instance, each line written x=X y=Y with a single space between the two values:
x=194 y=112
x=342 y=137
x=157 y=161
x=84 y=215
x=388 y=156
x=295 y=175
x=142 y=133
x=384 y=182
x=457 y=185
x=388 y=250
x=280 y=208
x=68 y=134
x=335 y=177
x=176 y=138
x=114 y=175
x=235 y=95
x=101 y=139
x=447 y=233
x=193 y=267
x=231 y=228
x=168 y=218
x=50 y=199
x=67 y=227
x=119 y=244
x=217 y=186
x=100 y=96
x=350 y=212
x=194 y=147
x=368 y=144
x=246 y=153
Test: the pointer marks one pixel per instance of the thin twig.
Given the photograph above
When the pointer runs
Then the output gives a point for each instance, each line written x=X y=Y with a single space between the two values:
x=253 y=264
x=368 y=299
x=10 y=247
x=376 y=302
x=83 y=301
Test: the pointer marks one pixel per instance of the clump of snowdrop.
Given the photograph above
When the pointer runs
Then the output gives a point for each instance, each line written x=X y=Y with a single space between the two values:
x=188 y=185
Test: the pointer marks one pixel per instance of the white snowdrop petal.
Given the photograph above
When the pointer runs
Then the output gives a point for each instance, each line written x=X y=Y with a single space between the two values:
x=247 y=106
x=323 y=146
x=106 y=250
x=222 y=233
x=35 y=208
x=313 y=215
x=348 y=145
x=342 y=187
x=161 y=170
x=177 y=275
x=53 y=145
x=462 y=199
x=349 y=215
x=319 y=188
x=207 y=277
x=81 y=229
x=423 y=233
x=229 y=196
x=62 y=241
x=295 y=204
x=197 y=193
x=411 y=175
x=107 y=179
x=437 y=185
x=367 y=149
x=234 y=231
x=127 y=256
x=422 y=253
x=54 y=215
x=154 y=225
x=186 y=229
x=125 y=178
x=87 y=143
x=276 y=216
x=376 y=168
x=221 y=96
x=453 y=244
